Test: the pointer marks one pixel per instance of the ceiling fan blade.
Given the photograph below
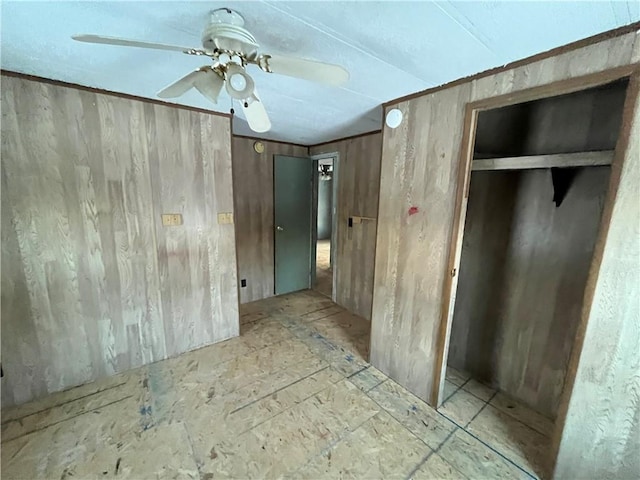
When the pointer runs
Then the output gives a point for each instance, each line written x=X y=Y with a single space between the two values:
x=180 y=86
x=127 y=43
x=209 y=83
x=257 y=116
x=327 y=73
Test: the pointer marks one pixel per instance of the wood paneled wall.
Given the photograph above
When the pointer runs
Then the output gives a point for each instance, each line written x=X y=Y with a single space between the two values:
x=358 y=181
x=253 y=198
x=420 y=168
x=523 y=272
x=92 y=283
x=599 y=431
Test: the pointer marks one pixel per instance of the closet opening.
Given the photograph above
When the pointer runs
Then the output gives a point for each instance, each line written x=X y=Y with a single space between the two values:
x=538 y=177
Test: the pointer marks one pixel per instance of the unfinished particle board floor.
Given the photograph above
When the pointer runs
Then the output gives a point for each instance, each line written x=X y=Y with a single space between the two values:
x=292 y=397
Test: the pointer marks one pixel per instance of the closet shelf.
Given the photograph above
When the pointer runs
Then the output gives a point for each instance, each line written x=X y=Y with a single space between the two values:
x=558 y=160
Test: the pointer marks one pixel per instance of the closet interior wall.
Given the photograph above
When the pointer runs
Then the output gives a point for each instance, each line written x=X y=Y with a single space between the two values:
x=523 y=272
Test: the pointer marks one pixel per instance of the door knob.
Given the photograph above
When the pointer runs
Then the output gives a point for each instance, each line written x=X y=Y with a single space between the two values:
x=279 y=228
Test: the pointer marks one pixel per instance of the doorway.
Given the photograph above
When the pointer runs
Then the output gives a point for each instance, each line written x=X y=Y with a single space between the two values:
x=325 y=225
x=535 y=179
x=305 y=230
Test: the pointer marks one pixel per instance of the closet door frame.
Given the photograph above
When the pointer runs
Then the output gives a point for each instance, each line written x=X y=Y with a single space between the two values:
x=632 y=72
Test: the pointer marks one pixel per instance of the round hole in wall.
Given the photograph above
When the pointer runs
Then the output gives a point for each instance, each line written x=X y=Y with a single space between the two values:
x=394 y=118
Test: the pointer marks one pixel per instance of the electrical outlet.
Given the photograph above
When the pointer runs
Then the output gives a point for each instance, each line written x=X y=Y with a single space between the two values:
x=225 y=218
x=171 y=219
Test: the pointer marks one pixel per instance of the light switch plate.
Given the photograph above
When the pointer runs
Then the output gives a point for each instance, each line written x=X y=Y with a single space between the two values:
x=225 y=218
x=171 y=219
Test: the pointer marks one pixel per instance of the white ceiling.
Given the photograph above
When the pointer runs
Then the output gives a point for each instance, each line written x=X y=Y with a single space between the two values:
x=390 y=48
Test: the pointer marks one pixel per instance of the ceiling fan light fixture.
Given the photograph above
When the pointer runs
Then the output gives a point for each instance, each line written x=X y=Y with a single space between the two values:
x=238 y=82
x=210 y=83
x=235 y=86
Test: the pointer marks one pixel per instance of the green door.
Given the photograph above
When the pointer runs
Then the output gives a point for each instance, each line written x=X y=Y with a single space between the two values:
x=292 y=211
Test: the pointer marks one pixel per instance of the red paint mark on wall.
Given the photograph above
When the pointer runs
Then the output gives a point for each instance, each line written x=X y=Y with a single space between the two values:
x=413 y=210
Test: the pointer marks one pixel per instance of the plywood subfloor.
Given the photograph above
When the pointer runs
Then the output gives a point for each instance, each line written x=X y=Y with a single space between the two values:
x=324 y=273
x=292 y=397
x=500 y=422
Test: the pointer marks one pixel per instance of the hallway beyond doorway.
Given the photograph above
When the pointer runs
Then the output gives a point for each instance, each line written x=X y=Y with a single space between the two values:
x=324 y=272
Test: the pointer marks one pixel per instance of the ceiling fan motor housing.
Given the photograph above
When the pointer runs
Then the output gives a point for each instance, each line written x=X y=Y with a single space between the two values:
x=226 y=32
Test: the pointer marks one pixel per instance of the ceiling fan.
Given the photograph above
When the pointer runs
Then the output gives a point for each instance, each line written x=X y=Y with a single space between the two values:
x=232 y=48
